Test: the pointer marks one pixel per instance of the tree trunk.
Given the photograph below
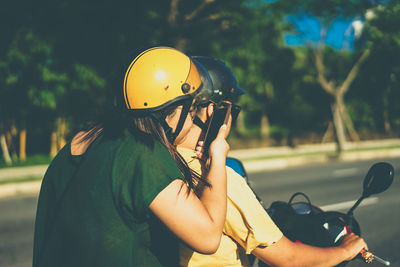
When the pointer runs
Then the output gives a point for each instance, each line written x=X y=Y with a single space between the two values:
x=57 y=137
x=4 y=148
x=265 y=127
x=240 y=125
x=338 y=109
x=386 y=122
x=62 y=132
x=348 y=123
x=329 y=133
x=53 y=144
x=385 y=115
x=10 y=145
x=22 y=144
x=339 y=127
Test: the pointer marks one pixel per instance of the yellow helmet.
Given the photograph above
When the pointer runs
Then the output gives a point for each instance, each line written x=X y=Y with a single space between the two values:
x=160 y=76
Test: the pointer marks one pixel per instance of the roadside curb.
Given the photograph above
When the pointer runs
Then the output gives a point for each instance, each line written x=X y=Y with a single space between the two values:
x=37 y=170
x=15 y=189
x=21 y=188
x=252 y=165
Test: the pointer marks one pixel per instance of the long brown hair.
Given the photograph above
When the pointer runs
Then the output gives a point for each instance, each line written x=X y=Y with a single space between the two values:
x=147 y=129
x=152 y=127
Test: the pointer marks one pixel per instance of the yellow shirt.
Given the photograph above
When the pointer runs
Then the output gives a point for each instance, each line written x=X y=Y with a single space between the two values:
x=247 y=224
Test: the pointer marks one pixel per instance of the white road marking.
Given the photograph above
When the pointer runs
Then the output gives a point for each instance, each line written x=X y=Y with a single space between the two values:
x=345 y=172
x=348 y=204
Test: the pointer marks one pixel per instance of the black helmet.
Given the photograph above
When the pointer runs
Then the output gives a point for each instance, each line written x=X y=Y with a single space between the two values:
x=225 y=86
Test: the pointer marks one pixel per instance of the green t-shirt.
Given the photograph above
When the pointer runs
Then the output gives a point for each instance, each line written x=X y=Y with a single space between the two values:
x=93 y=210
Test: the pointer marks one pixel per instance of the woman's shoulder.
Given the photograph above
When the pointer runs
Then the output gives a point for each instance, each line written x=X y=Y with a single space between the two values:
x=139 y=152
x=144 y=143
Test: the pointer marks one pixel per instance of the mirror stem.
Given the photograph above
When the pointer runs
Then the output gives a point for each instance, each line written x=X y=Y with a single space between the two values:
x=350 y=212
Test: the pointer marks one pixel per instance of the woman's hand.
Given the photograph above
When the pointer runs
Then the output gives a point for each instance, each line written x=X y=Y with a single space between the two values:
x=353 y=244
x=219 y=148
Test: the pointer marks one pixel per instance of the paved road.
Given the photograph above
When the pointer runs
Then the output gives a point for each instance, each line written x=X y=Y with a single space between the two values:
x=329 y=184
x=16 y=231
x=325 y=184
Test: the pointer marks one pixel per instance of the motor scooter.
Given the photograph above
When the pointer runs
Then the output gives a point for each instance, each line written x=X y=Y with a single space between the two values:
x=303 y=222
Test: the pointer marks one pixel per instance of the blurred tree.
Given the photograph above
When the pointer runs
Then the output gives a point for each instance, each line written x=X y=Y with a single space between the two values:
x=373 y=101
x=95 y=38
x=87 y=95
x=300 y=106
x=196 y=26
x=26 y=58
x=327 y=12
x=4 y=93
x=68 y=96
x=35 y=79
x=77 y=48
x=385 y=36
x=181 y=17
x=251 y=44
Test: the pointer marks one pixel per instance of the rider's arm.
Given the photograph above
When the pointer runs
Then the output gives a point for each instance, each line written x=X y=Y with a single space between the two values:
x=288 y=253
x=197 y=221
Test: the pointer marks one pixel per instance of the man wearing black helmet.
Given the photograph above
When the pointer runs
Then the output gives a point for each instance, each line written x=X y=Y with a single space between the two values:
x=248 y=228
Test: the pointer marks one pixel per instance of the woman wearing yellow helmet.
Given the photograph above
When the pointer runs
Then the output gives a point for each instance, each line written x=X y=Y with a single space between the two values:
x=120 y=194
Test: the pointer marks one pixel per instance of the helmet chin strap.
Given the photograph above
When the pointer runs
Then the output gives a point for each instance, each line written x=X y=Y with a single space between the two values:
x=203 y=126
x=170 y=133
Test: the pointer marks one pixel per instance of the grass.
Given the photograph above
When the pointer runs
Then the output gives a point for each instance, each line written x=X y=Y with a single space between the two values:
x=42 y=159
x=373 y=148
x=318 y=153
x=22 y=179
x=284 y=156
x=39 y=159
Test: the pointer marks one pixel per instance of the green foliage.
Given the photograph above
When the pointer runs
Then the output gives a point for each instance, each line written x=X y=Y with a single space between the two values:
x=384 y=23
x=363 y=115
x=26 y=73
x=255 y=54
x=33 y=81
x=327 y=11
x=379 y=85
x=64 y=58
x=86 y=92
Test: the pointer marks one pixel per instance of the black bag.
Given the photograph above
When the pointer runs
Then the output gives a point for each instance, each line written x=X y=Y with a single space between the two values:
x=305 y=223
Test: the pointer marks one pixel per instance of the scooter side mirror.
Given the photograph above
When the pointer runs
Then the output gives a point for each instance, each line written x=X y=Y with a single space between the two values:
x=378 y=179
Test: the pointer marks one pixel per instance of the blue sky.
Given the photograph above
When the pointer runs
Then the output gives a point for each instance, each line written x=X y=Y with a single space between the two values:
x=309 y=29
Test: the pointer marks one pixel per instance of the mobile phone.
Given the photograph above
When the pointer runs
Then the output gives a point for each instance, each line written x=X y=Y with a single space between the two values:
x=218 y=118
